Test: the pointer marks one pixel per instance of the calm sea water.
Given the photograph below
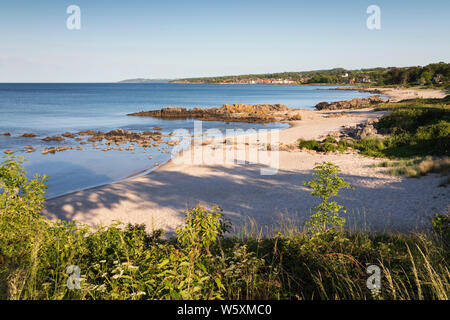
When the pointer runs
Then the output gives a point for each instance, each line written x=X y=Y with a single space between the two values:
x=52 y=109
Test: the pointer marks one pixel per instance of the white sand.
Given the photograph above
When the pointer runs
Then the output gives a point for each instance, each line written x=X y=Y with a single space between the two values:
x=378 y=202
x=398 y=94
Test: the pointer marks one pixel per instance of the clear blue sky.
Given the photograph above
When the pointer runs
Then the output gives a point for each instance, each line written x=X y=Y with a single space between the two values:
x=174 y=39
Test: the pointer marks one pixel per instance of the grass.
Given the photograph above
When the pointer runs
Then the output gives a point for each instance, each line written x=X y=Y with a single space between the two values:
x=126 y=263
x=417 y=167
x=40 y=259
x=327 y=145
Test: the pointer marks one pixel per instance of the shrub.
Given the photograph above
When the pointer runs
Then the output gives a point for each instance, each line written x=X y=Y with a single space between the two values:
x=326 y=185
x=203 y=228
x=327 y=146
x=370 y=146
x=308 y=144
x=418 y=128
x=441 y=225
x=125 y=262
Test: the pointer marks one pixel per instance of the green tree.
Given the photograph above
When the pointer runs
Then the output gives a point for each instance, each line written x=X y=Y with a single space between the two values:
x=326 y=185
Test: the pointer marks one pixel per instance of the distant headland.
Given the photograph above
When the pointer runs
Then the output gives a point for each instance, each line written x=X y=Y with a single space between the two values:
x=143 y=80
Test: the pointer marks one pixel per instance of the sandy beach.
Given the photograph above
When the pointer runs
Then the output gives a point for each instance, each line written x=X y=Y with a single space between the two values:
x=378 y=202
x=399 y=94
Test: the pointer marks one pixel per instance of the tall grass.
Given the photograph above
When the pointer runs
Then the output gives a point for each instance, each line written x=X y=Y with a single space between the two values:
x=204 y=261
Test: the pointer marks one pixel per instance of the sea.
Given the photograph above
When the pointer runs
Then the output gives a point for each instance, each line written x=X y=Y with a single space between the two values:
x=50 y=109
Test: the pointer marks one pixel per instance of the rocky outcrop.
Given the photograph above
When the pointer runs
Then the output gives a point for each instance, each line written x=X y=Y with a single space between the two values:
x=55 y=149
x=349 y=104
x=119 y=136
x=5 y=134
x=361 y=131
x=234 y=113
x=56 y=138
x=28 y=135
x=68 y=135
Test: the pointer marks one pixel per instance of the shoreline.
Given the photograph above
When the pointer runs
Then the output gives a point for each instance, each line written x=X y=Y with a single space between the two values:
x=399 y=94
x=159 y=198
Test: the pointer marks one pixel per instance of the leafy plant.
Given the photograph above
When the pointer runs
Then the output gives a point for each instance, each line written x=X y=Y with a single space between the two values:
x=326 y=185
x=203 y=228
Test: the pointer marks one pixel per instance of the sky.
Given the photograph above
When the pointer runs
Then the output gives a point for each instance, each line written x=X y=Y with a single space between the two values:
x=176 y=39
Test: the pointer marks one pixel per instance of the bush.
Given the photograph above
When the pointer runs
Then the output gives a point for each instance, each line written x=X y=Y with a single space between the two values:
x=308 y=144
x=417 y=128
x=326 y=185
x=125 y=262
x=327 y=147
x=370 y=146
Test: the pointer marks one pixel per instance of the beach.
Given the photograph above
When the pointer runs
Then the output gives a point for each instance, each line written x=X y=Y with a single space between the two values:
x=378 y=202
x=399 y=94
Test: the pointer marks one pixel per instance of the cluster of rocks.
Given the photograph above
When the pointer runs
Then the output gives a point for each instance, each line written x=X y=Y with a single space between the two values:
x=359 y=131
x=55 y=149
x=118 y=136
x=56 y=138
x=349 y=104
x=261 y=113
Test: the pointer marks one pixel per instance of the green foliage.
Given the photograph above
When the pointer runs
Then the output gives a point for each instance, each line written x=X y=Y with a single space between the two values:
x=126 y=262
x=441 y=225
x=437 y=74
x=308 y=144
x=326 y=185
x=329 y=144
x=370 y=146
x=417 y=128
x=203 y=228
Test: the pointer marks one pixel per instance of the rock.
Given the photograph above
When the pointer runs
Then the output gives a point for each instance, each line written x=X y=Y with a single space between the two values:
x=87 y=133
x=322 y=105
x=54 y=150
x=60 y=149
x=29 y=149
x=237 y=112
x=157 y=128
x=49 y=150
x=28 y=135
x=367 y=131
x=349 y=104
x=8 y=151
x=68 y=135
x=56 y=138
x=97 y=137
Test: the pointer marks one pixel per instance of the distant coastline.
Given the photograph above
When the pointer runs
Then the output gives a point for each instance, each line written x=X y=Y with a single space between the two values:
x=143 y=80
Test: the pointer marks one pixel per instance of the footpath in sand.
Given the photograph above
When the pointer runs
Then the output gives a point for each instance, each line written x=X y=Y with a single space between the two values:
x=159 y=199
